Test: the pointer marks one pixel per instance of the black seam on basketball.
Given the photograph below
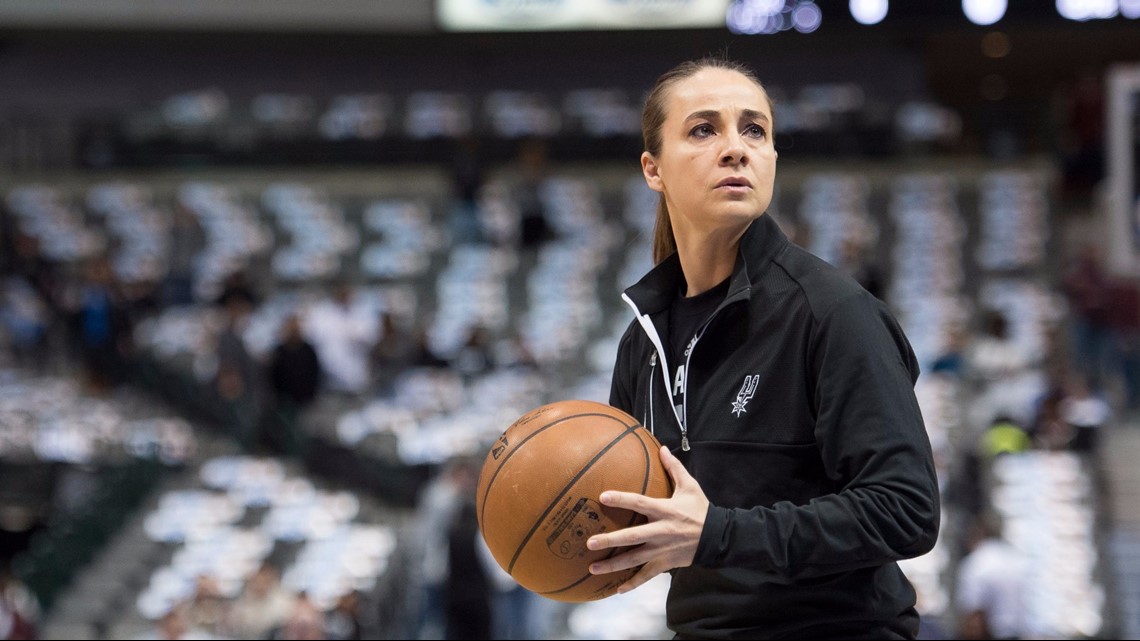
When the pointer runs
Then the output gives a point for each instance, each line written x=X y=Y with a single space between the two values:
x=503 y=463
x=581 y=580
x=632 y=518
x=629 y=429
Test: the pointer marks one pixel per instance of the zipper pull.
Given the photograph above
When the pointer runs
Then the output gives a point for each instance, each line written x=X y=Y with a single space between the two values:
x=684 y=443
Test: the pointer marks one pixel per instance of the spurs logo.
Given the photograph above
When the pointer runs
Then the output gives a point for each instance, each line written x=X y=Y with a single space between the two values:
x=747 y=390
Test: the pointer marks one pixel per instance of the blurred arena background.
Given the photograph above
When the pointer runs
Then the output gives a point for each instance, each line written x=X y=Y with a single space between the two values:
x=274 y=273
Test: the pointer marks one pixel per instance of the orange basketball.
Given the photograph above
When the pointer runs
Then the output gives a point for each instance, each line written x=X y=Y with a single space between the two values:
x=538 y=495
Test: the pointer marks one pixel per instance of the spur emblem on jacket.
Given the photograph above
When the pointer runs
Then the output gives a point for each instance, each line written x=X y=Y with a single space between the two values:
x=747 y=390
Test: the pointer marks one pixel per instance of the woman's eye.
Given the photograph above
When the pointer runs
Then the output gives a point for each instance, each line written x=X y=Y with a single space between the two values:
x=702 y=131
x=755 y=131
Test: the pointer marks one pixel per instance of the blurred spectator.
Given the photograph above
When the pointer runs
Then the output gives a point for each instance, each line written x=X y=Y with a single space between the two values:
x=435 y=512
x=394 y=352
x=175 y=624
x=343 y=622
x=475 y=356
x=467 y=175
x=1085 y=413
x=855 y=259
x=532 y=163
x=951 y=361
x=305 y=621
x=143 y=299
x=467 y=591
x=423 y=355
x=1086 y=286
x=262 y=607
x=294 y=369
x=294 y=373
x=1082 y=106
x=994 y=355
x=237 y=379
x=19 y=609
x=103 y=326
x=991 y=585
x=24 y=319
x=186 y=240
x=513 y=352
x=208 y=610
x=25 y=258
x=237 y=286
x=1124 y=321
x=515 y=611
x=1000 y=370
x=343 y=330
x=1049 y=430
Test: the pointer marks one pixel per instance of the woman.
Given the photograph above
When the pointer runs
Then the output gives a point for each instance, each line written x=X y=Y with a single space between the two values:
x=781 y=390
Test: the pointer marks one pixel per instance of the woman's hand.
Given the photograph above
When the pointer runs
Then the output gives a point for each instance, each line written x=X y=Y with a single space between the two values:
x=669 y=540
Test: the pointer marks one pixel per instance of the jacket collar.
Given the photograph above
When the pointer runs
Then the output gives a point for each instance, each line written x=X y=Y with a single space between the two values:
x=760 y=243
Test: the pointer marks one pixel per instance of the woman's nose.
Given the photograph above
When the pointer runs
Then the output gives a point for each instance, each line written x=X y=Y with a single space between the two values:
x=735 y=153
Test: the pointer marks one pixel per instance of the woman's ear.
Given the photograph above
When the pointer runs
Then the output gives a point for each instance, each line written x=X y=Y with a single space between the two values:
x=650 y=170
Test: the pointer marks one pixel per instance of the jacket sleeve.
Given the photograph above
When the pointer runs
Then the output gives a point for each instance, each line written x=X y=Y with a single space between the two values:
x=874 y=449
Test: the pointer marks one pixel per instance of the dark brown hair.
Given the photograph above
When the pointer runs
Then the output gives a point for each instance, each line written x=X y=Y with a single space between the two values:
x=653 y=119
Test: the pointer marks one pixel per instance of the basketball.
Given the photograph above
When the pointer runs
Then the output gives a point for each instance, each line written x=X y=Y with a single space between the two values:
x=538 y=494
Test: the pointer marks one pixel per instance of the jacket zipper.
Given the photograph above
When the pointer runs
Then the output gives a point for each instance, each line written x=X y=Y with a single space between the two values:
x=648 y=419
x=685 y=383
x=659 y=350
x=651 y=333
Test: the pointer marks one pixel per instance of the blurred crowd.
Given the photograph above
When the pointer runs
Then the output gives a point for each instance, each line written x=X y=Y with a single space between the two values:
x=1016 y=398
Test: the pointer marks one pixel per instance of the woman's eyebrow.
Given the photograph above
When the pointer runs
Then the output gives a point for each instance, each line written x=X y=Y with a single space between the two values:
x=752 y=114
x=704 y=114
x=712 y=114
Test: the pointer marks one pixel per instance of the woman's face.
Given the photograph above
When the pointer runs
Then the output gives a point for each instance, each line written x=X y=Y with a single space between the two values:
x=717 y=164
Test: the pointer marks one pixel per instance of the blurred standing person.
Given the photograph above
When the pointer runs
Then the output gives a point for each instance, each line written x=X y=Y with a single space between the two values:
x=175 y=625
x=516 y=612
x=23 y=256
x=394 y=352
x=1086 y=413
x=1001 y=371
x=294 y=369
x=782 y=391
x=467 y=595
x=475 y=358
x=1086 y=285
x=436 y=511
x=187 y=239
x=991 y=585
x=343 y=621
x=467 y=176
x=19 y=608
x=856 y=259
x=207 y=610
x=237 y=382
x=951 y=359
x=237 y=286
x=533 y=166
x=343 y=331
x=305 y=621
x=1124 y=319
x=103 y=326
x=262 y=607
x=295 y=379
x=1082 y=135
x=24 y=318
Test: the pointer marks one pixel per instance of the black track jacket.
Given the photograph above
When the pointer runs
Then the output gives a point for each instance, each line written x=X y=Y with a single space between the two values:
x=806 y=438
